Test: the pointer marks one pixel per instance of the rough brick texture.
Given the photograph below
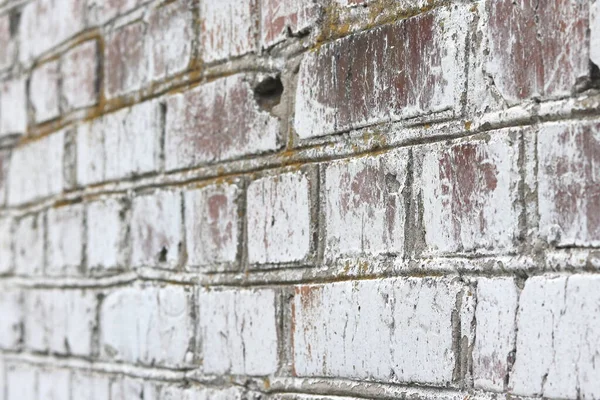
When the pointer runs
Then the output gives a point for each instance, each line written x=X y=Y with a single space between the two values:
x=299 y=199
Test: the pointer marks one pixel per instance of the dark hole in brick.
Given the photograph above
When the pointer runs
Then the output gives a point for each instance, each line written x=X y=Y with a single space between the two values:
x=268 y=93
x=14 y=20
x=162 y=256
x=594 y=72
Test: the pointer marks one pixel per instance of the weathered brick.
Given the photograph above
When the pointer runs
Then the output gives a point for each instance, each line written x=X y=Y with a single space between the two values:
x=469 y=191
x=557 y=339
x=279 y=218
x=595 y=33
x=157 y=230
x=394 y=330
x=125 y=388
x=535 y=51
x=43 y=25
x=4 y=167
x=281 y=17
x=229 y=28
x=37 y=169
x=44 y=91
x=60 y=321
x=102 y=11
x=90 y=386
x=79 y=72
x=217 y=121
x=398 y=71
x=11 y=310
x=125 y=62
x=212 y=226
x=29 y=245
x=497 y=301
x=21 y=382
x=106 y=242
x=54 y=384
x=6 y=258
x=7 y=42
x=65 y=240
x=238 y=331
x=148 y=325
x=196 y=393
x=568 y=183
x=170 y=38
x=364 y=205
x=13 y=107
x=123 y=144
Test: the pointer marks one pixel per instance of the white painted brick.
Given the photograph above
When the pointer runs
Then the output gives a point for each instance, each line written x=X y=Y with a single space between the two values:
x=595 y=32
x=364 y=205
x=89 y=386
x=54 y=384
x=6 y=256
x=149 y=325
x=21 y=382
x=497 y=301
x=13 y=107
x=119 y=145
x=195 y=393
x=79 y=72
x=212 y=225
x=279 y=16
x=37 y=169
x=8 y=45
x=279 y=218
x=60 y=321
x=102 y=11
x=238 y=331
x=11 y=318
x=106 y=234
x=4 y=168
x=396 y=330
x=228 y=28
x=469 y=191
x=127 y=388
x=65 y=240
x=44 y=91
x=558 y=337
x=29 y=245
x=156 y=230
x=3 y=382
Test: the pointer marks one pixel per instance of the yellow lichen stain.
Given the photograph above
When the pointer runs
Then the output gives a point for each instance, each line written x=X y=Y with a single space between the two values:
x=468 y=125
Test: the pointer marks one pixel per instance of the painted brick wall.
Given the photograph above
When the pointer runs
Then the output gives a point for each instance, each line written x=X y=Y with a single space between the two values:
x=299 y=199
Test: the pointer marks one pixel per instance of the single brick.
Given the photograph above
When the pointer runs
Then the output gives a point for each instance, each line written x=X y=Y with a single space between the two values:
x=65 y=240
x=54 y=384
x=126 y=388
x=364 y=204
x=119 y=145
x=569 y=183
x=217 y=121
x=282 y=17
x=378 y=75
x=170 y=38
x=497 y=301
x=212 y=226
x=125 y=61
x=13 y=107
x=469 y=191
x=102 y=11
x=557 y=338
x=79 y=71
x=89 y=386
x=11 y=311
x=21 y=380
x=37 y=169
x=396 y=330
x=106 y=242
x=279 y=218
x=29 y=245
x=238 y=331
x=536 y=51
x=147 y=325
x=44 y=91
x=228 y=28
x=4 y=168
x=6 y=257
x=43 y=26
x=60 y=321
x=8 y=44
x=156 y=230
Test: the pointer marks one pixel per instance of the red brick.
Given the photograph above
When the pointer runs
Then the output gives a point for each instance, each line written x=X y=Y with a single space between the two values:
x=44 y=91
x=407 y=69
x=79 y=71
x=568 y=183
x=215 y=122
x=536 y=49
x=469 y=192
x=228 y=28
x=7 y=43
x=125 y=63
x=280 y=15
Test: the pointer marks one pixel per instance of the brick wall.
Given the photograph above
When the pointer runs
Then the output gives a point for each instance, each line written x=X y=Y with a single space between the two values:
x=299 y=199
